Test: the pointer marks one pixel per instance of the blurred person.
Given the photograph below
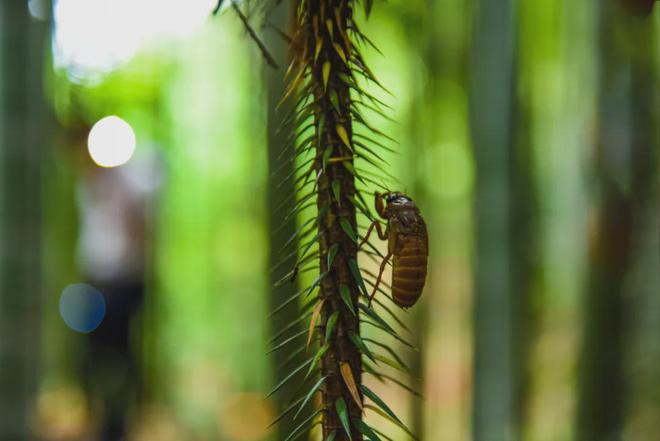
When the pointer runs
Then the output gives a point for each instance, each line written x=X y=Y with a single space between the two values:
x=114 y=206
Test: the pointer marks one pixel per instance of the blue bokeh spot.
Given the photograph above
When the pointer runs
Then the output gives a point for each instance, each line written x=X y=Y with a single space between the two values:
x=82 y=307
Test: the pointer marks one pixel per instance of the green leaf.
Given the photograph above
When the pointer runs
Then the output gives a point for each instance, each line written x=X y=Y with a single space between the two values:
x=375 y=109
x=359 y=204
x=371 y=151
x=326 y=74
x=382 y=377
x=311 y=243
x=290 y=357
x=298 y=233
x=321 y=128
x=379 y=144
x=287 y=278
x=297 y=210
x=336 y=190
x=374 y=163
x=334 y=99
x=355 y=271
x=366 y=430
x=372 y=370
x=374 y=315
x=309 y=395
x=392 y=363
x=342 y=411
x=348 y=167
x=301 y=200
x=322 y=350
x=329 y=26
x=391 y=351
x=326 y=155
x=287 y=327
x=391 y=314
x=348 y=229
x=298 y=115
x=332 y=436
x=340 y=52
x=393 y=334
x=378 y=102
x=317 y=49
x=368 y=4
x=346 y=297
x=287 y=341
x=285 y=412
x=315 y=283
x=380 y=403
x=330 y=325
x=382 y=435
x=297 y=431
x=343 y=135
x=357 y=341
x=392 y=420
x=364 y=38
x=288 y=377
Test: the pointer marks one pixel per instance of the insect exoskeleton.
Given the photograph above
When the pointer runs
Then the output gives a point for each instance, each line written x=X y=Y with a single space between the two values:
x=408 y=246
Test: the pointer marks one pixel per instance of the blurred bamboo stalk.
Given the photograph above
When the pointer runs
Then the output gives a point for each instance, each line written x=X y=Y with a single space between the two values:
x=526 y=250
x=626 y=161
x=444 y=59
x=23 y=133
x=419 y=143
x=495 y=381
x=279 y=190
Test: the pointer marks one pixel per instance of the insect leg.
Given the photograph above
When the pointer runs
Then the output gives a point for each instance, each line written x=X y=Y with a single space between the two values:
x=380 y=275
x=378 y=203
x=382 y=235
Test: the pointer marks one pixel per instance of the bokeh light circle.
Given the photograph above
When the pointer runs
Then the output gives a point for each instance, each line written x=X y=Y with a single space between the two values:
x=82 y=307
x=245 y=416
x=111 y=142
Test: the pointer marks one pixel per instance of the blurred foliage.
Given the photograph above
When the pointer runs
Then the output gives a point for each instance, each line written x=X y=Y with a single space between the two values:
x=198 y=104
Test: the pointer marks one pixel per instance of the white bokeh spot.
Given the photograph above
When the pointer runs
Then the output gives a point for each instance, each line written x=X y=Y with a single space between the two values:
x=111 y=142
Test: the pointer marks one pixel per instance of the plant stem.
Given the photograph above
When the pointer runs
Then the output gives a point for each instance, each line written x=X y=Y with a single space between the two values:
x=324 y=23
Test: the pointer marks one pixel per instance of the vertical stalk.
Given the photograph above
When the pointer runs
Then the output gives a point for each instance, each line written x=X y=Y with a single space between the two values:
x=279 y=191
x=492 y=116
x=626 y=157
x=324 y=23
x=324 y=70
x=23 y=134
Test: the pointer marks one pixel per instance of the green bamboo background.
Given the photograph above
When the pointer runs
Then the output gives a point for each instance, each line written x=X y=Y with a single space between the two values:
x=528 y=133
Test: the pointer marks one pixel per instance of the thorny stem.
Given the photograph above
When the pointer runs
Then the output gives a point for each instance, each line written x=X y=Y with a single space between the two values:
x=327 y=49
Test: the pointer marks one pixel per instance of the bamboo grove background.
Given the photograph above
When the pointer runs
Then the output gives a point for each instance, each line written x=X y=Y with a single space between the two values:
x=527 y=131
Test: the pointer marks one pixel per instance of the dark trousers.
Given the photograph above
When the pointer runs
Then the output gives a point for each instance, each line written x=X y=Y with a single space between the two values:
x=112 y=374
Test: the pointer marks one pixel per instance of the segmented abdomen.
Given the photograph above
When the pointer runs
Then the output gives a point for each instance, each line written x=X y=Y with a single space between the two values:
x=409 y=270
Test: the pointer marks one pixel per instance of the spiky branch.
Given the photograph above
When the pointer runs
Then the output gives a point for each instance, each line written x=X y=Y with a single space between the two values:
x=326 y=75
x=325 y=24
